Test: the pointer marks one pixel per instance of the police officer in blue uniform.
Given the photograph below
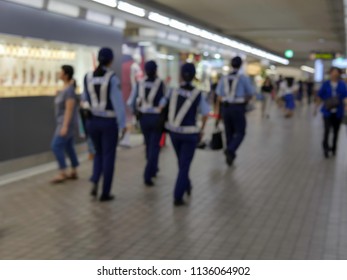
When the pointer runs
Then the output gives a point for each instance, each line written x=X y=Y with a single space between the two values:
x=234 y=91
x=184 y=104
x=103 y=98
x=148 y=102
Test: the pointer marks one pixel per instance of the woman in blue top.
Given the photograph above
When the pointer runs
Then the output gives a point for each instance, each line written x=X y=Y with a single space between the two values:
x=333 y=95
x=66 y=118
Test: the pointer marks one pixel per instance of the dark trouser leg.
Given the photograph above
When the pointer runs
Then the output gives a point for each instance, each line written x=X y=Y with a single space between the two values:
x=185 y=146
x=229 y=127
x=146 y=133
x=95 y=135
x=109 y=146
x=336 y=124
x=154 y=150
x=327 y=127
x=239 y=124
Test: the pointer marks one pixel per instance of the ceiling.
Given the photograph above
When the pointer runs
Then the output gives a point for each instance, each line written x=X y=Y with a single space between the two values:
x=275 y=25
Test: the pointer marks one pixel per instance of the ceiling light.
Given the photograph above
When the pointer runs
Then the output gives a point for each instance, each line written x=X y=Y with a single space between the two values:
x=159 y=18
x=98 y=17
x=307 y=69
x=131 y=9
x=31 y=3
x=63 y=8
x=207 y=35
x=193 y=30
x=206 y=54
x=217 y=56
x=110 y=3
x=178 y=25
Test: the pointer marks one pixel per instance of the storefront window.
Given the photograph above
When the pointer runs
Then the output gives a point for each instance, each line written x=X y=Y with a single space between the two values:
x=30 y=67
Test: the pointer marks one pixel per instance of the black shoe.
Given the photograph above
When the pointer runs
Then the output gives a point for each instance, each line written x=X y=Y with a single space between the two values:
x=107 y=198
x=94 y=191
x=326 y=154
x=179 y=202
x=229 y=158
x=333 y=151
x=149 y=183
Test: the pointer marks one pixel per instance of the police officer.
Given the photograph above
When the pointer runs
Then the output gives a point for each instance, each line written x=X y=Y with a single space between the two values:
x=104 y=99
x=184 y=104
x=148 y=102
x=234 y=91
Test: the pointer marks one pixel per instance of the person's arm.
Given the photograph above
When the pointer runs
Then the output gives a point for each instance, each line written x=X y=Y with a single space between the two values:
x=118 y=103
x=164 y=100
x=204 y=110
x=318 y=100
x=69 y=109
x=248 y=87
x=220 y=94
x=132 y=100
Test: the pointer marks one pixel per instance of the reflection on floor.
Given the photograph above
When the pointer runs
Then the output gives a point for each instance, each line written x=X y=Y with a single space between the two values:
x=282 y=200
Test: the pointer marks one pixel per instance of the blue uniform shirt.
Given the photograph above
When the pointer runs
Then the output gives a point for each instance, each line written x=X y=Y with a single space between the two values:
x=244 y=88
x=116 y=98
x=326 y=92
x=203 y=108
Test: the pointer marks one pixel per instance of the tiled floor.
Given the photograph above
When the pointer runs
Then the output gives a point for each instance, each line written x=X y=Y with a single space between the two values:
x=282 y=200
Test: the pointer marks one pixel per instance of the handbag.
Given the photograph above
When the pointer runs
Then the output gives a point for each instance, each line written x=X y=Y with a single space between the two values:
x=217 y=138
x=332 y=103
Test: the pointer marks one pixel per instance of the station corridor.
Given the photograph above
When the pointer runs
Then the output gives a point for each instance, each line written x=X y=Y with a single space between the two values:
x=281 y=200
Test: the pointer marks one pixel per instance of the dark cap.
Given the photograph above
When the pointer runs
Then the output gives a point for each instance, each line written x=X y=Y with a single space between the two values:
x=105 y=56
x=236 y=62
x=188 y=72
x=151 y=67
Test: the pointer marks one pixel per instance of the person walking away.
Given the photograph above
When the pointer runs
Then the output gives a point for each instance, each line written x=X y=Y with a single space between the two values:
x=148 y=101
x=267 y=90
x=184 y=105
x=107 y=116
x=309 y=89
x=300 y=93
x=333 y=98
x=287 y=91
x=66 y=118
x=235 y=91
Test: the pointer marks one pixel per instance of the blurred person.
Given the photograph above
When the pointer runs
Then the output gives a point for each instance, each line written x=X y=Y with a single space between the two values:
x=104 y=99
x=184 y=105
x=235 y=91
x=287 y=92
x=148 y=101
x=66 y=117
x=333 y=97
x=267 y=90
x=309 y=90
x=300 y=92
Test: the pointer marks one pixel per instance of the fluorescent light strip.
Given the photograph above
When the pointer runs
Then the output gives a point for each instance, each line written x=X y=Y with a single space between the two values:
x=63 y=8
x=159 y=18
x=214 y=37
x=109 y=3
x=178 y=25
x=193 y=30
x=307 y=69
x=31 y=3
x=98 y=17
x=131 y=9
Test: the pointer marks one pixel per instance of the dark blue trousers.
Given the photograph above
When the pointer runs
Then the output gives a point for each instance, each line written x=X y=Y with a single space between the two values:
x=104 y=134
x=152 y=134
x=234 y=116
x=184 y=145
